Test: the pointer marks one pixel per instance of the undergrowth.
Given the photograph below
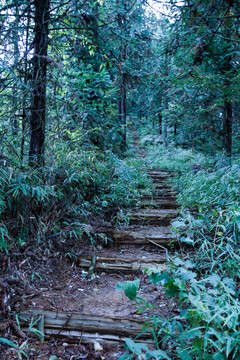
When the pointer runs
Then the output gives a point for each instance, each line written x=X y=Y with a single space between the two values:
x=204 y=276
x=70 y=191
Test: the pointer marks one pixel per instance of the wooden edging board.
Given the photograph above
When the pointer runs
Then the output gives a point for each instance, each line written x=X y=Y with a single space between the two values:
x=80 y=327
x=125 y=265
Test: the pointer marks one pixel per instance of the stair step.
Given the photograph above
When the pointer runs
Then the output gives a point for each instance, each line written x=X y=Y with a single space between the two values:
x=165 y=192
x=159 y=174
x=166 y=186
x=152 y=216
x=124 y=265
x=145 y=235
x=164 y=203
x=78 y=327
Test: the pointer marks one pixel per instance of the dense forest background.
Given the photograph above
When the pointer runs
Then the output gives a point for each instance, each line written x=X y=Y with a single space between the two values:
x=76 y=74
x=76 y=77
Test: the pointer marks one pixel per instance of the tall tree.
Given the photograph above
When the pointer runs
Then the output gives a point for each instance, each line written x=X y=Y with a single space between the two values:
x=39 y=82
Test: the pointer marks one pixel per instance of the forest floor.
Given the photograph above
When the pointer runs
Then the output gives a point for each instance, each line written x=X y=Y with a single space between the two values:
x=77 y=288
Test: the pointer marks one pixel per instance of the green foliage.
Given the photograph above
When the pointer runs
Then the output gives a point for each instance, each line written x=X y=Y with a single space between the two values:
x=205 y=280
x=209 y=321
x=175 y=159
x=130 y=288
x=64 y=194
x=142 y=351
x=18 y=348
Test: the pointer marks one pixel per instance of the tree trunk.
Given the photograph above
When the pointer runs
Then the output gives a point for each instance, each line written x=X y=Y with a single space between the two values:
x=39 y=80
x=175 y=129
x=160 y=123
x=25 y=80
x=16 y=61
x=227 y=127
x=122 y=107
x=164 y=122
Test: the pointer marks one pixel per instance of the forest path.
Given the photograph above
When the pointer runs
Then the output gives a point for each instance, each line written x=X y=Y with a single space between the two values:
x=89 y=308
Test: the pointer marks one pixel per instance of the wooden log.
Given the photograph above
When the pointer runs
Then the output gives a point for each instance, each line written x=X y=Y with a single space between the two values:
x=160 y=174
x=156 y=180
x=152 y=216
x=74 y=336
x=159 y=198
x=77 y=337
x=125 y=265
x=160 y=235
x=163 y=186
x=56 y=322
x=165 y=192
x=163 y=203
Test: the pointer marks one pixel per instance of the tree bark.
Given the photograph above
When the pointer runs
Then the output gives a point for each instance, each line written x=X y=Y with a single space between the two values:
x=16 y=61
x=39 y=81
x=25 y=80
x=122 y=107
x=164 y=122
x=159 y=122
x=227 y=127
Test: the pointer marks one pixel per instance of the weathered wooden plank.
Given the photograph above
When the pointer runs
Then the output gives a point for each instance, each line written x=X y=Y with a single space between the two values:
x=83 y=337
x=64 y=321
x=163 y=192
x=152 y=216
x=125 y=265
x=160 y=174
x=159 y=198
x=166 y=186
x=166 y=193
x=163 y=184
x=160 y=235
x=163 y=203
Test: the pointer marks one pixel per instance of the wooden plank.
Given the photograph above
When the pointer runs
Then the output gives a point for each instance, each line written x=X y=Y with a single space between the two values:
x=160 y=186
x=160 y=181
x=165 y=193
x=83 y=337
x=125 y=265
x=152 y=216
x=160 y=174
x=65 y=321
x=163 y=203
x=159 y=198
x=161 y=235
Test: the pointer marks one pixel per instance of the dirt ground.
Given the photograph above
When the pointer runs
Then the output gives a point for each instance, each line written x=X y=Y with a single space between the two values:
x=56 y=282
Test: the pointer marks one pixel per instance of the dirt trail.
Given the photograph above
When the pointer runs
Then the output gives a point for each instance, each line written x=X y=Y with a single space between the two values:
x=80 y=303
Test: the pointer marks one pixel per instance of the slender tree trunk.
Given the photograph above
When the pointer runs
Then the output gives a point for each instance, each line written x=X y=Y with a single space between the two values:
x=124 y=111
x=227 y=71
x=175 y=129
x=160 y=123
x=227 y=127
x=122 y=101
x=25 y=80
x=164 y=122
x=39 y=80
x=16 y=60
x=165 y=102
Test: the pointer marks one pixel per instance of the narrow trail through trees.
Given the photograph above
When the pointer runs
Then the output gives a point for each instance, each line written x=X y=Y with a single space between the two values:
x=82 y=310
